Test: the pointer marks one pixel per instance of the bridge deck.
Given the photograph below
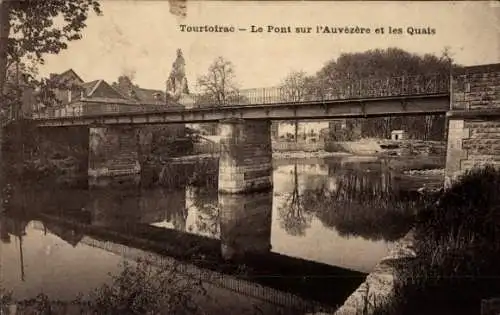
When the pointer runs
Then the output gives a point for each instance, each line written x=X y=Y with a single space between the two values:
x=326 y=109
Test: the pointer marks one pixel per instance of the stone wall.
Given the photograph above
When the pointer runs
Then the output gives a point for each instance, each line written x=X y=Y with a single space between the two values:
x=378 y=290
x=474 y=122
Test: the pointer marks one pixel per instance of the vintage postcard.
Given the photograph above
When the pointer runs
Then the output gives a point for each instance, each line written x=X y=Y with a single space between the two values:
x=249 y=157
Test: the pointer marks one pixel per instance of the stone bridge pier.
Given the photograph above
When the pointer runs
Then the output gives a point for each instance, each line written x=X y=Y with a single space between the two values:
x=245 y=163
x=113 y=154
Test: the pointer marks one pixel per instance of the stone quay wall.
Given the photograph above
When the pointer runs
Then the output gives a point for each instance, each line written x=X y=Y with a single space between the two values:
x=474 y=121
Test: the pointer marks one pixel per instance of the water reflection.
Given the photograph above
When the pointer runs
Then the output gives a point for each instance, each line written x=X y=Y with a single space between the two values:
x=294 y=218
x=353 y=198
x=202 y=203
x=340 y=213
x=245 y=224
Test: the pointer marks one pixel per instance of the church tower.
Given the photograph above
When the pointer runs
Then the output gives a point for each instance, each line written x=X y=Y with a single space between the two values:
x=177 y=82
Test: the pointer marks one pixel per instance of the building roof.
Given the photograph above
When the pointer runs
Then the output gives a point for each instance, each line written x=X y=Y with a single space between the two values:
x=138 y=94
x=100 y=90
x=68 y=74
x=89 y=86
x=149 y=95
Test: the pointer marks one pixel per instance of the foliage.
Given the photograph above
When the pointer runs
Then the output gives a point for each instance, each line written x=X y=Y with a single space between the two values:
x=388 y=62
x=40 y=27
x=391 y=62
x=456 y=241
x=30 y=29
x=464 y=226
x=338 y=75
x=143 y=288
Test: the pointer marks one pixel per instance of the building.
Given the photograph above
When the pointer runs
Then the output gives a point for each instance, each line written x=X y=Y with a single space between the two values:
x=398 y=135
x=140 y=95
x=68 y=94
x=306 y=130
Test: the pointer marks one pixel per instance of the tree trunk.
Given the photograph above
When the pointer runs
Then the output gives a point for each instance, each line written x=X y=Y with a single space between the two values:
x=4 y=36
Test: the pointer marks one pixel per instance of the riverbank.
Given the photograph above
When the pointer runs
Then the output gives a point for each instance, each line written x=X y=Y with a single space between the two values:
x=378 y=290
x=276 y=154
x=448 y=264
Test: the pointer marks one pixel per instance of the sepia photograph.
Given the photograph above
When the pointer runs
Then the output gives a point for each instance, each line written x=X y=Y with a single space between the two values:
x=249 y=157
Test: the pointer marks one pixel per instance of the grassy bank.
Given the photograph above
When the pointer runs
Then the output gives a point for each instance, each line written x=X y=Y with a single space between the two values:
x=458 y=253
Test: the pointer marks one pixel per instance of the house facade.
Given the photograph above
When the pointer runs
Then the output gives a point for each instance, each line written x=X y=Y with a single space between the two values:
x=74 y=96
x=306 y=130
x=71 y=94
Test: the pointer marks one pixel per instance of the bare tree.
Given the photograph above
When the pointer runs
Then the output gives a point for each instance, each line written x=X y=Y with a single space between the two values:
x=294 y=88
x=218 y=85
x=218 y=88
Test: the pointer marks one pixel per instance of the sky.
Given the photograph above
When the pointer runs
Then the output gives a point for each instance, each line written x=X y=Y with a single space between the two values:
x=141 y=37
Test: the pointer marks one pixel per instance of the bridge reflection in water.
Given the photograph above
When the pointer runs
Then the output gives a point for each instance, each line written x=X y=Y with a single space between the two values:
x=320 y=223
x=245 y=224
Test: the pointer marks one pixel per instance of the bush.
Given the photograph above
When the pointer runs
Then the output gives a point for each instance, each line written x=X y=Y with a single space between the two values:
x=142 y=288
x=458 y=253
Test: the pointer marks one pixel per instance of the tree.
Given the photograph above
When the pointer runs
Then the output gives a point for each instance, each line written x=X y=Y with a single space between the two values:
x=30 y=29
x=295 y=88
x=218 y=85
x=342 y=76
x=218 y=88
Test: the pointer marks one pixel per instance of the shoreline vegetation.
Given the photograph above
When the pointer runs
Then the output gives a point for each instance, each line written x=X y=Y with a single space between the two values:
x=455 y=261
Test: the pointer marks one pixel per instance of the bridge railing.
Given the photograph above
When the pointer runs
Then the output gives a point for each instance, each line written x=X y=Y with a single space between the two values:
x=9 y=114
x=326 y=91
x=90 y=108
x=332 y=90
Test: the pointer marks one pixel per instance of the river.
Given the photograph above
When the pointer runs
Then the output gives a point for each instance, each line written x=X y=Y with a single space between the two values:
x=325 y=225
